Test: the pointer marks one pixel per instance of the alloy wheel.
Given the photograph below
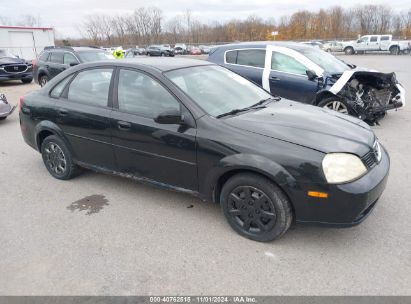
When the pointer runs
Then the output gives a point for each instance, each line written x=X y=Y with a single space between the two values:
x=43 y=81
x=251 y=210
x=336 y=105
x=55 y=158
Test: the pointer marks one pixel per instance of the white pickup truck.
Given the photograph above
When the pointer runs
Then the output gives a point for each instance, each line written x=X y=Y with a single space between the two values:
x=369 y=43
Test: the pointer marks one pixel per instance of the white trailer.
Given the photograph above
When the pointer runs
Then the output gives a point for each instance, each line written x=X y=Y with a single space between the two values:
x=26 y=42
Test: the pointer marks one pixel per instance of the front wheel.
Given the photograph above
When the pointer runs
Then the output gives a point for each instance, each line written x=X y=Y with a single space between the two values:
x=335 y=104
x=255 y=207
x=57 y=158
x=349 y=51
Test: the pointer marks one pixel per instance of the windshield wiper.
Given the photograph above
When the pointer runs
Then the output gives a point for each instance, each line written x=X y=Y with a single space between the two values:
x=259 y=105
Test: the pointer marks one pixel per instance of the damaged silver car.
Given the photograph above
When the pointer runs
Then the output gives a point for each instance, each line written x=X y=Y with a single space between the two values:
x=310 y=75
x=5 y=108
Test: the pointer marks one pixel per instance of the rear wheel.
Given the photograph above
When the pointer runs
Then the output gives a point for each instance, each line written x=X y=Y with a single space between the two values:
x=335 y=104
x=394 y=50
x=349 y=50
x=255 y=207
x=57 y=158
x=43 y=79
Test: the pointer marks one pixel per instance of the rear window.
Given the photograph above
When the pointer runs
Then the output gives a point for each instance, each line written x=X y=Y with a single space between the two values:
x=385 y=38
x=56 y=57
x=95 y=56
x=231 y=57
x=58 y=89
x=374 y=39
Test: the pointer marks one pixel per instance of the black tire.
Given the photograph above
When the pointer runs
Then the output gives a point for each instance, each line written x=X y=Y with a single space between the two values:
x=3 y=118
x=394 y=50
x=349 y=50
x=27 y=80
x=263 y=214
x=43 y=79
x=55 y=152
x=329 y=102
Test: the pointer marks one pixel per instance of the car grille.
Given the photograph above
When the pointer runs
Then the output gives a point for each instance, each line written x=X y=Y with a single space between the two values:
x=15 y=68
x=373 y=157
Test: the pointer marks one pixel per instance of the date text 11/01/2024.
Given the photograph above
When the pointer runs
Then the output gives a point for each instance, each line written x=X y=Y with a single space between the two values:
x=203 y=299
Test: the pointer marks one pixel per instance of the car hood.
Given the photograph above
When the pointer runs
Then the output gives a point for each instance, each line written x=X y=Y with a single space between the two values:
x=8 y=60
x=312 y=127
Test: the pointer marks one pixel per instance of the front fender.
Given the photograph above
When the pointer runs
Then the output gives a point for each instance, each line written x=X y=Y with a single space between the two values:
x=246 y=162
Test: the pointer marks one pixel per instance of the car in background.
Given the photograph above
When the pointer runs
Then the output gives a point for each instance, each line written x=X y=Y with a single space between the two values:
x=6 y=109
x=377 y=43
x=192 y=126
x=204 y=49
x=159 y=50
x=14 y=68
x=332 y=46
x=194 y=50
x=54 y=60
x=130 y=53
x=167 y=50
x=180 y=49
x=310 y=75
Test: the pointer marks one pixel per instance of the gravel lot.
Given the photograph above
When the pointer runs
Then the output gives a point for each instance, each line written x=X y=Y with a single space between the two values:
x=146 y=240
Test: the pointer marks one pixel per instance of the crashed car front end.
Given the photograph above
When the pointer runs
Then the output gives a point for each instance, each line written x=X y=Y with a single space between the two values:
x=5 y=108
x=369 y=94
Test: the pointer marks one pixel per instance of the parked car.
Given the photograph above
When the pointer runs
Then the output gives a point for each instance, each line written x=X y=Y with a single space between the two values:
x=54 y=60
x=377 y=43
x=167 y=50
x=310 y=75
x=204 y=49
x=130 y=53
x=180 y=49
x=192 y=126
x=14 y=68
x=332 y=46
x=194 y=51
x=6 y=109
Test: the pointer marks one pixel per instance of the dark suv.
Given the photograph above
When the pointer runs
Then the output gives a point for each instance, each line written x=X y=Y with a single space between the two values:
x=54 y=60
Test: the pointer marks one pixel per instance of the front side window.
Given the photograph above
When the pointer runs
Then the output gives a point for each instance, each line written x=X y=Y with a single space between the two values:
x=56 y=57
x=69 y=58
x=217 y=90
x=142 y=95
x=58 y=89
x=284 y=63
x=91 y=87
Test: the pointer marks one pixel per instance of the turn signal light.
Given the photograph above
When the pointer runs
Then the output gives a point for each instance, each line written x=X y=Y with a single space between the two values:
x=317 y=194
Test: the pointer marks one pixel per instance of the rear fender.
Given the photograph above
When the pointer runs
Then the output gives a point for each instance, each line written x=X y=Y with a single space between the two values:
x=50 y=126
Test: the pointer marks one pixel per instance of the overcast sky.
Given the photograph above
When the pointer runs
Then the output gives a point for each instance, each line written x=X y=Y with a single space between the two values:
x=64 y=15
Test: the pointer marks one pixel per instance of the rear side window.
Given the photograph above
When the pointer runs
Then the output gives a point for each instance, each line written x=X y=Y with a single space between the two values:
x=91 y=87
x=58 y=89
x=374 y=39
x=254 y=58
x=284 y=63
x=44 y=56
x=231 y=57
x=385 y=38
x=56 y=57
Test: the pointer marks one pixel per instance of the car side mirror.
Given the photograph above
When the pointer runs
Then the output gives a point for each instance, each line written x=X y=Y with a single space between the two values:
x=311 y=74
x=170 y=117
x=73 y=63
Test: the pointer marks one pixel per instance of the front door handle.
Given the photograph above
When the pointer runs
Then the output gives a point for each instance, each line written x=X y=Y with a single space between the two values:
x=274 y=78
x=63 y=112
x=123 y=125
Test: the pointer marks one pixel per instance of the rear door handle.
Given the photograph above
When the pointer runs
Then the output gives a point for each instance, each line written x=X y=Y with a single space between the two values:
x=123 y=125
x=274 y=78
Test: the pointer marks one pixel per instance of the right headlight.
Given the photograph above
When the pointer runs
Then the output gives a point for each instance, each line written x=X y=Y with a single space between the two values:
x=342 y=167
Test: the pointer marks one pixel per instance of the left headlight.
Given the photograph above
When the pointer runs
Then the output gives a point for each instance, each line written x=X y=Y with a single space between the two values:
x=342 y=167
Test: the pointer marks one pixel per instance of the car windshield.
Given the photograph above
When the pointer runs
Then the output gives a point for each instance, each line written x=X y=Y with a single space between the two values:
x=5 y=53
x=95 y=56
x=325 y=60
x=217 y=90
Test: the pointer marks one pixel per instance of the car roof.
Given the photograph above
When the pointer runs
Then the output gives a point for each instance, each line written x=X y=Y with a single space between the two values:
x=75 y=49
x=297 y=46
x=167 y=64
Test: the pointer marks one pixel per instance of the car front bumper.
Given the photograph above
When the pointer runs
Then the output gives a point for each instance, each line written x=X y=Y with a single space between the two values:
x=347 y=204
x=6 y=110
x=16 y=76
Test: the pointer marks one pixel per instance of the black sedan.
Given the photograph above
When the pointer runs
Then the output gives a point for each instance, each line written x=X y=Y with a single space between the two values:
x=192 y=126
x=14 y=68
